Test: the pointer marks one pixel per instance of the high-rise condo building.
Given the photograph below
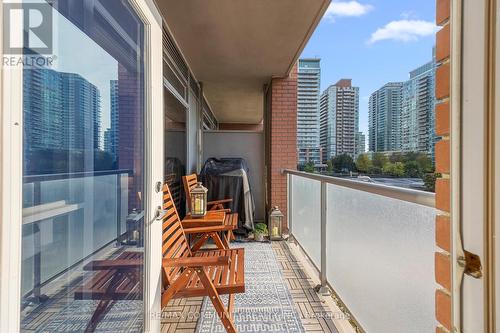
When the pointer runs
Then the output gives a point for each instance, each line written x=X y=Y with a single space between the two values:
x=112 y=145
x=360 y=143
x=308 y=89
x=339 y=119
x=417 y=116
x=384 y=118
x=401 y=114
x=64 y=111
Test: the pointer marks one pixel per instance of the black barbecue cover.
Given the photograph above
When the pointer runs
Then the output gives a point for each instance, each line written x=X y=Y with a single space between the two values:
x=229 y=178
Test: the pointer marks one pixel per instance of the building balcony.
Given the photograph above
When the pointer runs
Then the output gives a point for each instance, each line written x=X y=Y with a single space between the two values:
x=355 y=256
x=339 y=231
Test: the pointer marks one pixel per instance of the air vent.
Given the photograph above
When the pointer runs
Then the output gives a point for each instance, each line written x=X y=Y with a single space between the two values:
x=209 y=120
x=175 y=56
x=194 y=86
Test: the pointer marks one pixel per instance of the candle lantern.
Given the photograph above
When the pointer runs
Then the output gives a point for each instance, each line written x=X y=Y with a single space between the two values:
x=275 y=223
x=198 y=200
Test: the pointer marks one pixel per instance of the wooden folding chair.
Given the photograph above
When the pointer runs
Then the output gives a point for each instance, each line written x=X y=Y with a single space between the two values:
x=116 y=279
x=203 y=273
x=190 y=182
x=229 y=221
x=186 y=272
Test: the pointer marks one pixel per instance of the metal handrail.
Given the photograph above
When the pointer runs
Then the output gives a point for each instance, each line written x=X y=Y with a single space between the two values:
x=399 y=193
x=71 y=175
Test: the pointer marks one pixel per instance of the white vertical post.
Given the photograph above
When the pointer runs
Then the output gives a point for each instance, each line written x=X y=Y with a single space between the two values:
x=322 y=274
x=289 y=204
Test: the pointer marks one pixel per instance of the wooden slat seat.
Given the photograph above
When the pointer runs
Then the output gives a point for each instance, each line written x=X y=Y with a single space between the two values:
x=126 y=284
x=116 y=279
x=231 y=221
x=228 y=279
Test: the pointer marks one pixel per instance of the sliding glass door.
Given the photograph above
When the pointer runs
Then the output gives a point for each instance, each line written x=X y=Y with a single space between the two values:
x=84 y=187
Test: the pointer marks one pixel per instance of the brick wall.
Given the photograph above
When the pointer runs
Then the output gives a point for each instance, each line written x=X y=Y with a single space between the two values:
x=443 y=230
x=282 y=134
x=130 y=136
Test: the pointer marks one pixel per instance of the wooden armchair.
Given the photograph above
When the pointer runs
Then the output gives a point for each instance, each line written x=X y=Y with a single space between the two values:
x=202 y=273
x=190 y=182
x=185 y=273
x=228 y=223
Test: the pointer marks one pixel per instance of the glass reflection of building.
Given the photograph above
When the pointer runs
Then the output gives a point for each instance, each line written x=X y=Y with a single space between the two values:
x=81 y=201
x=62 y=112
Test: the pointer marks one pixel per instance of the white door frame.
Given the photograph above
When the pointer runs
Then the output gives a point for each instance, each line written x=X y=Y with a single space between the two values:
x=473 y=164
x=10 y=195
x=11 y=135
x=154 y=160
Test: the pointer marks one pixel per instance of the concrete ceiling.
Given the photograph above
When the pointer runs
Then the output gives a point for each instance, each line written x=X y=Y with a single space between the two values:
x=236 y=46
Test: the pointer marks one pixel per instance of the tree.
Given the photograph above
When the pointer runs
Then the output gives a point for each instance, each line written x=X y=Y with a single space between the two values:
x=343 y=163
x=375 y=170
x=397 y=157
x=394 y=169
x=379 y=160
x=387 y=169
x=363 y=163
x=424 y=163
x=309 y=167
x=430 y=181
x=329 y=166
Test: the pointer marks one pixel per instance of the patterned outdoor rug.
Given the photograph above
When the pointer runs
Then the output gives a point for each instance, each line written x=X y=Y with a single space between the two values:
x=124 y=316
x=266 y=305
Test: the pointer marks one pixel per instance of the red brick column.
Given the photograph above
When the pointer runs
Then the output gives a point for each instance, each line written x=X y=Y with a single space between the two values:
x=282 y=135
x=130 y=133
x=443 y=229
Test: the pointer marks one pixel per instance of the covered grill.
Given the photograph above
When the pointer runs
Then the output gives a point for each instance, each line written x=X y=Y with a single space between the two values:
x=229 y=178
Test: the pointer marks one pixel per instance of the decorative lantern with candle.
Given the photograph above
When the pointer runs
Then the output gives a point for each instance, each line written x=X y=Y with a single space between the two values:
x=275 y=223
x=198 y=200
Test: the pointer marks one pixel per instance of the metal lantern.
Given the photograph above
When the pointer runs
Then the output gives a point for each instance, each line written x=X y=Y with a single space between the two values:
x=198 y=200
x=275 y=223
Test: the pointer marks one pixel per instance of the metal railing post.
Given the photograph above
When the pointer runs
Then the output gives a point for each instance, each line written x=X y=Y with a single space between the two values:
x=289 y=207
x=322 y=274
x=119 y=209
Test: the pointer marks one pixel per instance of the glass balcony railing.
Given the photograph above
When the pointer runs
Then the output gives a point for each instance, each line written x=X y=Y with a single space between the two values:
x=70 y=216
x=373 y=245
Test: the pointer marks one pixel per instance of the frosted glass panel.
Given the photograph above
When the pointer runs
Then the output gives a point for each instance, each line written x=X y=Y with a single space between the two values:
x=380 y=260
x=306 y=220
x=81 y=216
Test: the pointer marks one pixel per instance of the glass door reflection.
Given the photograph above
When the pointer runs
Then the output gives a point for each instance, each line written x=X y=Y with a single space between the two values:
x=83 y=170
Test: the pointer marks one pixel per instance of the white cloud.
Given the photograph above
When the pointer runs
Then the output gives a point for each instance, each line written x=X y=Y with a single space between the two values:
x=404 y=31
x=409 y=14
x=346 y=8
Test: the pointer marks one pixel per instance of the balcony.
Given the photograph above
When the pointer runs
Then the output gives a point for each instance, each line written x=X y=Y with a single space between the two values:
x=350 y=244
x=371 y=246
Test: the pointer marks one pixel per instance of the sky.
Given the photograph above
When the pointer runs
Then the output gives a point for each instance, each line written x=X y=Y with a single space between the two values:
x=372 y=42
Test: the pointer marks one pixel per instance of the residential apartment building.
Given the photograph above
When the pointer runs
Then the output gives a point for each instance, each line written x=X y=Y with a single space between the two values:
x=62 y=112
x=384 y=118
x=401 y=114
x=339 y=119
x=360 y=143
x=328 y=129
x=417 y=112
x=112 y=138
x=308 y=90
